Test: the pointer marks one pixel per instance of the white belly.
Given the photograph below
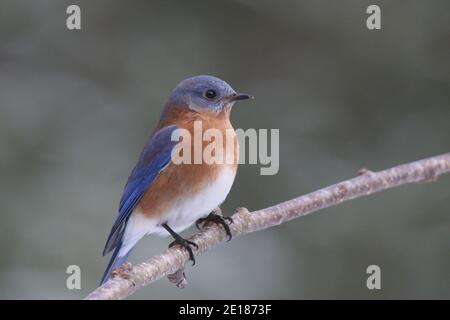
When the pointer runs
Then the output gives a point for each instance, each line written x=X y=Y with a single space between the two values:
x=182 y=214
x=186 y=211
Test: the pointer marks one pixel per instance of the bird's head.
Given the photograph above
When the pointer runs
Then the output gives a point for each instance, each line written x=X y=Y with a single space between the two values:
x=205 y=93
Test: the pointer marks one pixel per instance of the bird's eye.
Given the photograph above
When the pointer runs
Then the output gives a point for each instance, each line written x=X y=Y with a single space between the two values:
x=210 y=94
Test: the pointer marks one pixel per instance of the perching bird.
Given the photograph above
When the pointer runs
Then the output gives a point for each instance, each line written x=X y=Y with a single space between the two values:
x=165 y=197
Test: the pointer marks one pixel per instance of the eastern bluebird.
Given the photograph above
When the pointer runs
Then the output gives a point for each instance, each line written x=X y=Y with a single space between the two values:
x=165 y=198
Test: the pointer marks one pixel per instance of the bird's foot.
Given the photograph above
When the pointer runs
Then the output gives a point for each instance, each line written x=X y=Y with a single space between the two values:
x=187 y=244
x=217 y=218
x=179 y=240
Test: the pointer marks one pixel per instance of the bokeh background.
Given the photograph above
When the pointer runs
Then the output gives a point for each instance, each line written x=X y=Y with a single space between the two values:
x=77 y=106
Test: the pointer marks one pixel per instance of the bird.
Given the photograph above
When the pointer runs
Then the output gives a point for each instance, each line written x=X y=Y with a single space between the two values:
x=162 y=197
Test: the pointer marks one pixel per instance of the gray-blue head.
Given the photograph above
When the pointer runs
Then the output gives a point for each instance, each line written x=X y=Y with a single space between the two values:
x=204 y=93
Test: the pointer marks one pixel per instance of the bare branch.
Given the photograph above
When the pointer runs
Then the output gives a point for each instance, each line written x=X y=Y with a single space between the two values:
x=172 y=261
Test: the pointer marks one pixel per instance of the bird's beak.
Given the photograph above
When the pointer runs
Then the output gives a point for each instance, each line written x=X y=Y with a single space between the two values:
x=240 y=96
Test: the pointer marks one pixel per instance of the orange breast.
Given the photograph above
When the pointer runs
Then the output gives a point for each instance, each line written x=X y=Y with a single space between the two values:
x=183 y=180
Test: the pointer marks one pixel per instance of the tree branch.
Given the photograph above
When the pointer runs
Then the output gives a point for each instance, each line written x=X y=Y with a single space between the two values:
x=171 y=262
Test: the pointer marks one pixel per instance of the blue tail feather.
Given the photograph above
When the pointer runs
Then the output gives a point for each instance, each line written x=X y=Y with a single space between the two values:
x=115 y=262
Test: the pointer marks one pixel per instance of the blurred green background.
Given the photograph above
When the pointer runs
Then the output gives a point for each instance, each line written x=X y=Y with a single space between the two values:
x=77 y=106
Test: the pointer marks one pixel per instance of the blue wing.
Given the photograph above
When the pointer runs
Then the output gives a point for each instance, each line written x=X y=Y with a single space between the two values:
x=154 y=158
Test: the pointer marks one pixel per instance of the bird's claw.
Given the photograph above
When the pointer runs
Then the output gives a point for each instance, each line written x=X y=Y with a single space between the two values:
x=187 y=245
x=217 y=219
